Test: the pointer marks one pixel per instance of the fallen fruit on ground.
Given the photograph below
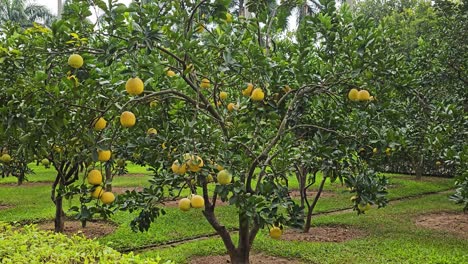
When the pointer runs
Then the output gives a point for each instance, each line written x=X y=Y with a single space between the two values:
x=224 y=177
x=98 y=191
x=197 y=201
x=275 y=232
x=107 y=197
x=127 y=119
x=75 y=61
x=104 y=155
x=134 y=86
x=353 y=95
x=100 y=124
x=184 y=204
x=94 y=177
x=257 y=94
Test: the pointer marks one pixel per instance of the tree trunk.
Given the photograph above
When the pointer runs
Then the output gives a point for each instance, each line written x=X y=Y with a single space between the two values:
x=59 y=214
x=108 y=178
x=312 y=206
x=301 y=179
x=419 y=168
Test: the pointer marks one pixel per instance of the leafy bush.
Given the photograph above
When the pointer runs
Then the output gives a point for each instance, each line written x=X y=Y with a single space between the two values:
x=29 y=245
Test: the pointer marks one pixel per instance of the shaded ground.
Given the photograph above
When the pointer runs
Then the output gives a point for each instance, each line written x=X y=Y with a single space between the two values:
x=92 y=230
x=324 y=234
x=254 y=259
x=452 y=222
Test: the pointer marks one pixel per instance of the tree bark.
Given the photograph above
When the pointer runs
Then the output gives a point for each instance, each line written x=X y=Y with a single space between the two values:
x=312 y=206
x=59 y=214
x=108 y=172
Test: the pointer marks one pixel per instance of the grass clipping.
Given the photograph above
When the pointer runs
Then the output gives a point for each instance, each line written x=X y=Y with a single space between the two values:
x=30 y=245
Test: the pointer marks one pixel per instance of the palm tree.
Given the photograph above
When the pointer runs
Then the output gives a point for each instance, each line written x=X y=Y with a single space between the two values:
x=24 y=13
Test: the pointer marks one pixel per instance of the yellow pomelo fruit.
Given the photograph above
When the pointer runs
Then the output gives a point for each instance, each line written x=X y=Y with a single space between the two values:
x=134 y=86
x=151 y=131
x=45 y=162
x=195 y=163
x=104 y=155
x=178 y=168
x=231 y=107
x=170 y=73
x=107 y=198
x=6 y=158
x=364 y=207
x=75 y=61
x=438 y=163
x=257 y=94
x=363 y=95
x=275 y=232
x=184 y=204
x=353 y=94
x=248 y=90
x=228 y=18
x=219 y=167
x=375 y=150
x=100 y=124
x=223 y=95
x=205 y=83
x=224 y=177
x=197 y=201
x=94 y=177
x=98 y=191
x=127 y=119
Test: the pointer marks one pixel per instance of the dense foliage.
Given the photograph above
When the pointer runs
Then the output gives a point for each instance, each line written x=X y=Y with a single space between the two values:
x=29 y=245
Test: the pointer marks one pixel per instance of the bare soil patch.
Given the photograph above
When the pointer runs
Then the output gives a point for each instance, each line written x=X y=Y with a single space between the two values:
x=453 y=222
x=121 y=190
x=5 y=206
x=295 y=193
x=92 y=230
x=324 y=234
x=254 y=259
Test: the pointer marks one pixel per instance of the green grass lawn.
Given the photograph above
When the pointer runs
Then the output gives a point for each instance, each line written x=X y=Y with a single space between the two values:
x=391 y=231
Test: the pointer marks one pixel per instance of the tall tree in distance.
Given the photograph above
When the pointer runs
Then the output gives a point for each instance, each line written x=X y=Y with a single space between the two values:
x=19 y=11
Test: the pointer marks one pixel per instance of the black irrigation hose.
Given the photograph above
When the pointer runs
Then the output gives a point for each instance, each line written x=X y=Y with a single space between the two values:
x=214 y=234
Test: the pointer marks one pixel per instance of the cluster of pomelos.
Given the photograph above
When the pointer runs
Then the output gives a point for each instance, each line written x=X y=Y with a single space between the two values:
x=356 y=95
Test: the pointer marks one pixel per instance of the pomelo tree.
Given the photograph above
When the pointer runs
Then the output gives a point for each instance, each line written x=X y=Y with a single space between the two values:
x=221 y=111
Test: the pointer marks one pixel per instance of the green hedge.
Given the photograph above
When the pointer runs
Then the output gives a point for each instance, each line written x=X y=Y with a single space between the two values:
x=29 y=245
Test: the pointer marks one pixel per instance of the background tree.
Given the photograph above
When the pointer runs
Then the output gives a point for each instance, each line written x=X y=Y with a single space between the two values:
x=19 y=11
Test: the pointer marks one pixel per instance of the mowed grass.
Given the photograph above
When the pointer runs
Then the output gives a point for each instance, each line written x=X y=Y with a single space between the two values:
x=32 y=203
x=392 y=237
